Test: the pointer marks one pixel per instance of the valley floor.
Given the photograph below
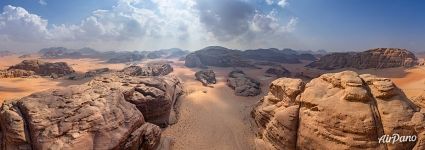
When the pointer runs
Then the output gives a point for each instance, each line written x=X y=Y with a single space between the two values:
x=216 y=119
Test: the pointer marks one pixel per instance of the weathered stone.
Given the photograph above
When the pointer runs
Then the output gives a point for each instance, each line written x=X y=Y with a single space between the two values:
x=206 y=77
x=243 y=85
x=337 y=111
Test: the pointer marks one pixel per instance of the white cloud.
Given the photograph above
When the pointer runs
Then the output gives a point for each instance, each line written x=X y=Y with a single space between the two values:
x=42 y=2
x=283 y=3
x=269 y=2
x=188 y=24
x=19 y=25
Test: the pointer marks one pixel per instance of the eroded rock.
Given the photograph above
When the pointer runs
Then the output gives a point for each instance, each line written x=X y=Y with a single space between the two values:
x=337 y=111
x=242 y=84
x=206 y=77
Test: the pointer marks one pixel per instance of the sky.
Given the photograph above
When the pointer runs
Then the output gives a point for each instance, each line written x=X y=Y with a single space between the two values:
x=333 y=25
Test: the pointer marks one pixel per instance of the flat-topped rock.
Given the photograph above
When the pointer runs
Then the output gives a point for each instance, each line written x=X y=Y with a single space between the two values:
x=242 y=84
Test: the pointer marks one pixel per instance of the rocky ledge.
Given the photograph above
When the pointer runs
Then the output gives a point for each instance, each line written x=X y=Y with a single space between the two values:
x=337 y=111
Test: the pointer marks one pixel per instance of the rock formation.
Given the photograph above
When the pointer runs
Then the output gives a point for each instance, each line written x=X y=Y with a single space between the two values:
x=278 y=71
x=93 y=73
x=243 y=85
x=337 y=111
x=154 y=96
x=375 y=58
x=78 y=117
x=224 y=57
x=110 y=112
x=206 y=77
x=16 y=73
x=44 y=68
x=149 y=70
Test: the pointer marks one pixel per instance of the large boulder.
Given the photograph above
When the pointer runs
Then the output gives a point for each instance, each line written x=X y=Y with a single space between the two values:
x=242 y=84
x=44 y=68
x=92 y=116
x=206 y=77
x=374 y=58
x=156 y=69
x=337 y=111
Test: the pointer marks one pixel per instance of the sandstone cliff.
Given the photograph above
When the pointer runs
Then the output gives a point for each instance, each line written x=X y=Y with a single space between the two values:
x=375 y=58
x=337 y=111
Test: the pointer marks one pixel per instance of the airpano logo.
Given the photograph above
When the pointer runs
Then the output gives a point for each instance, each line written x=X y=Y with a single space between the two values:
x=396 y=138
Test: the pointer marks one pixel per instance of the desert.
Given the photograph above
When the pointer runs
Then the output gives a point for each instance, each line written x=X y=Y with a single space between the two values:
x=212 y=75
x=222 y=107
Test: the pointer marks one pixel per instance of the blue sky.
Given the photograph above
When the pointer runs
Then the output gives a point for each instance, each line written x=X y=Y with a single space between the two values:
x=334 y=25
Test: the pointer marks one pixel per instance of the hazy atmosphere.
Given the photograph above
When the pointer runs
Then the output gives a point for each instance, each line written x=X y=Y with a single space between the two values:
x=334 y=25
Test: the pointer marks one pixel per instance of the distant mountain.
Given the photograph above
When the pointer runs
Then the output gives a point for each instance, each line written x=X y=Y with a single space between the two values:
x=6 y=53
x=62 y=52
x=167 y=53
x=224 y=57
x=374 y=58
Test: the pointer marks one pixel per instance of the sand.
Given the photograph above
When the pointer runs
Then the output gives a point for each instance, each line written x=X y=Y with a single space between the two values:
x=12 y=88
x=216 y=119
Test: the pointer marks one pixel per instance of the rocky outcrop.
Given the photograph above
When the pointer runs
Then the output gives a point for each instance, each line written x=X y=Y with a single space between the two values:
x=78 y=117
x=149 y=70
x=337 y=111
x=375 y=58
x=154 y=96
x=278 y=71
x=206 y=77
x=242 y=84
x=16 y=73
x=110 y=112
x=44 y=68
